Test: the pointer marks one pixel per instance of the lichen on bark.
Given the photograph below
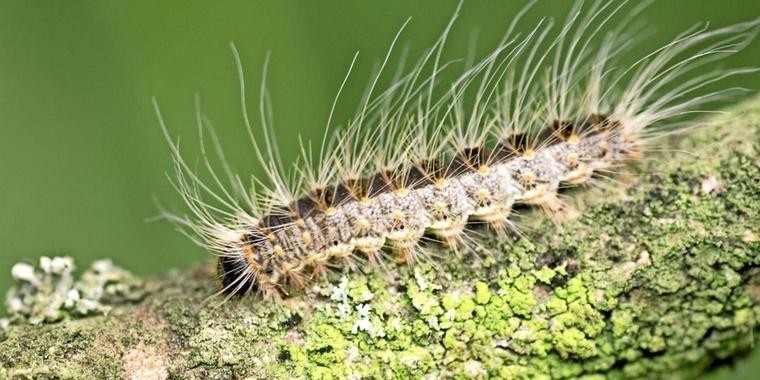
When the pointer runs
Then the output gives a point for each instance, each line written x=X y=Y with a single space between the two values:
x=660 y=277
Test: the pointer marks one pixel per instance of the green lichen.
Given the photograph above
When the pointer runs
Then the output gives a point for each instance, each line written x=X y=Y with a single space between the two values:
x=661 y=281
x=60 y=351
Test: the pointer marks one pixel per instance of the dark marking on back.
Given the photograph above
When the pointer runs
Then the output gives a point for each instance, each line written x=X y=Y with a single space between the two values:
x=305 y=207
x=561 y=129
x=274 y=221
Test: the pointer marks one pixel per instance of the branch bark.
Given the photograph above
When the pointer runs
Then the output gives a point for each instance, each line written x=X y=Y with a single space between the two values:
x=657 y=278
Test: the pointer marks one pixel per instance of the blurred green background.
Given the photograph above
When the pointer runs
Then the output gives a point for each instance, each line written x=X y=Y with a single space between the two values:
x=81 y=153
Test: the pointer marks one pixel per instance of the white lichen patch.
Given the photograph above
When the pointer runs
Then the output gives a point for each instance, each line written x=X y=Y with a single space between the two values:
x=339 y=294
x=424 y=283
x=474 y=369
x=365 y=323
x=432 y=321
x=353 y=354
x=750 y=237
x=396 y=325
x=712 y=184
x=353 y=305
x=49 y=292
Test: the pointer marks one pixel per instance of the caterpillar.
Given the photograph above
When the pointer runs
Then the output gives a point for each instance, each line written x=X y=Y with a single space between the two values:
x=426 y=159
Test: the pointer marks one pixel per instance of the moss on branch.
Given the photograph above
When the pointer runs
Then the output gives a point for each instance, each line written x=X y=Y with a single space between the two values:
x=661 y=278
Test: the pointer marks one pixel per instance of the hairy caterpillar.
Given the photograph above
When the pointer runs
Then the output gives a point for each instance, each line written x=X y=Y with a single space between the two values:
x=423 y=160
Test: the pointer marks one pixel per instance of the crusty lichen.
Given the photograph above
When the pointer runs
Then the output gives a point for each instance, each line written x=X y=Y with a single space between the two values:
x=660 y=281
x=50 y=292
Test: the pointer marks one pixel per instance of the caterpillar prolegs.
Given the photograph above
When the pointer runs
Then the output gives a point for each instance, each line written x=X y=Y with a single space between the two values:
x=427 y=157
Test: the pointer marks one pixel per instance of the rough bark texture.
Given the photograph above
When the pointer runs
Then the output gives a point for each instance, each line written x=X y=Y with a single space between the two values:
x=657 y=278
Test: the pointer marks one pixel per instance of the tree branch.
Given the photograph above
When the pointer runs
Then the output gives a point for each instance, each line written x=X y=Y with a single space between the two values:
x=657 y=279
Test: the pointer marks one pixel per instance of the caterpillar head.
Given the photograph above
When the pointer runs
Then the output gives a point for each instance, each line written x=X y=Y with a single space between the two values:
x=245 y=264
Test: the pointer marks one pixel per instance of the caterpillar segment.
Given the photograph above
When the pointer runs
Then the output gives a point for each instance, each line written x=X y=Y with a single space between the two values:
x=292 y=253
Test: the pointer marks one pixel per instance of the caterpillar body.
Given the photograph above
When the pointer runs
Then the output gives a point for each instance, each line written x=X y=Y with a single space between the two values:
x=419 y=162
